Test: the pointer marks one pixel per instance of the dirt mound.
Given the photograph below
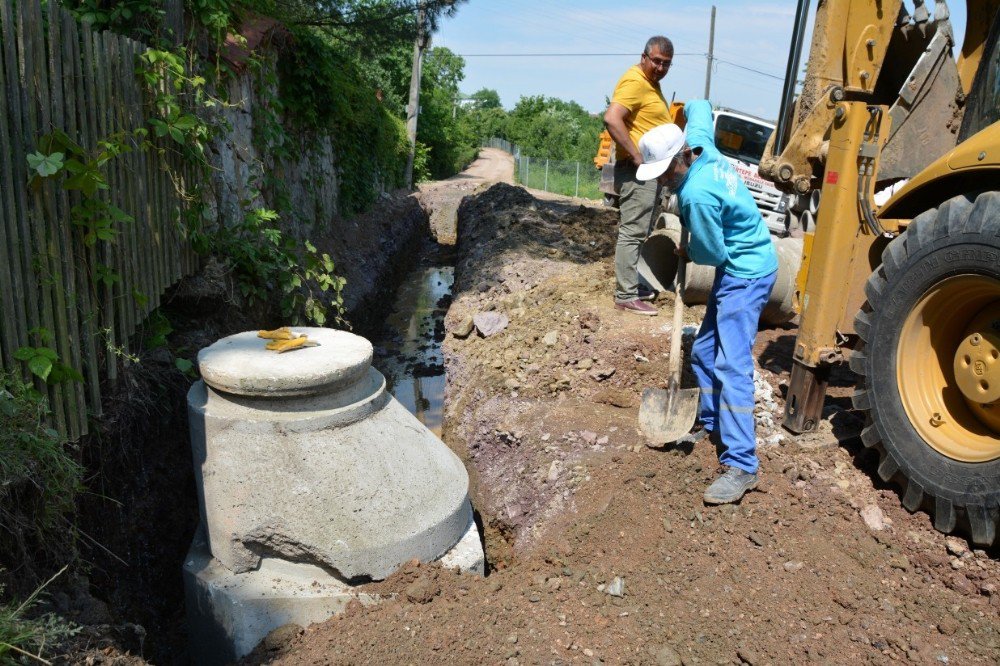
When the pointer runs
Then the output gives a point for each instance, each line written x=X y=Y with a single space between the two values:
x=602 y=550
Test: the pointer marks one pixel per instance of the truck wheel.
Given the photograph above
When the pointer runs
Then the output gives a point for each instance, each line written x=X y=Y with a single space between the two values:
x=929 y=361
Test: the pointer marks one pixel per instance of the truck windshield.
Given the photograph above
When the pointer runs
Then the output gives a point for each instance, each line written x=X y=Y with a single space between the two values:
x=983 y=108
x=741 y=139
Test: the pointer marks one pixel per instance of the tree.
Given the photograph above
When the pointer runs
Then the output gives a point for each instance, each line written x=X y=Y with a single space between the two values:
x=547 y=127
x=485 y=98
x=450 y=144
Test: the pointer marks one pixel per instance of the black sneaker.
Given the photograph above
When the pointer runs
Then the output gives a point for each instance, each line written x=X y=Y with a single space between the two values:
x=646 y=294
x=694 y=437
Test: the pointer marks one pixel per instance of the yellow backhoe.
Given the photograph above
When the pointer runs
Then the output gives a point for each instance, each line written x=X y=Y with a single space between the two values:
x=893 y=150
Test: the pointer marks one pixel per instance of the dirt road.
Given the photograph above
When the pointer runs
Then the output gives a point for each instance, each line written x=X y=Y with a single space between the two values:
x=441 y=198
x=601 y=549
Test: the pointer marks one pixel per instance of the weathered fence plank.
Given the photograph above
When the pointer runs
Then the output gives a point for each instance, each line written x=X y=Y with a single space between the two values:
x=13 y=321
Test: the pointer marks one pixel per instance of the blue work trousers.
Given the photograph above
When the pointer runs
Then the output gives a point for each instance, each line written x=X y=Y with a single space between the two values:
x=722 y=360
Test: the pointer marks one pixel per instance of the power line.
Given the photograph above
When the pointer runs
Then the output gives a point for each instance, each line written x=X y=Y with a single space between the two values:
x=586 y=55
x=749 y=69
x=556 y=55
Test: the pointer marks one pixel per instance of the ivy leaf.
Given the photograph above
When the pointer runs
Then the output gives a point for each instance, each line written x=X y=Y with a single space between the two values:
x=186 y=122
x=46 y=165
x=184 y=365
x=159 y=127
x=41 y=366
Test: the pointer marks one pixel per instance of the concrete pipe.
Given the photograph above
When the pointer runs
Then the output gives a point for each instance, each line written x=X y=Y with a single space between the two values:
x=780 y=307
x=657 y=262
x=814 y=202
x=698 y=281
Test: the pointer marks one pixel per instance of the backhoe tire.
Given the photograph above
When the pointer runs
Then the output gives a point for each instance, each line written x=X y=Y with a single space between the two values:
x=932 y=415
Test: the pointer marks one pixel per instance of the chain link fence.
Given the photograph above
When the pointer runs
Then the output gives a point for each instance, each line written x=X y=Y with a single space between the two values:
x=574 y=179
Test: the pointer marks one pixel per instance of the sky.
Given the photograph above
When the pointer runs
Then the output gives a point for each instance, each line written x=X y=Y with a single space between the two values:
x=751 y=47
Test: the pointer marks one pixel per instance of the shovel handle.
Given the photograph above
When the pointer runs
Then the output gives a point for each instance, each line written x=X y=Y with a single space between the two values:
x=675 y=337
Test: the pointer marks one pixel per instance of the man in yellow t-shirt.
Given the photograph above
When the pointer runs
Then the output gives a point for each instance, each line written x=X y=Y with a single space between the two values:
x=637 y=106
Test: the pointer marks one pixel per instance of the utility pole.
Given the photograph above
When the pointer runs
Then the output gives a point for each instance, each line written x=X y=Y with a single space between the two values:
x=711 y=55
x=413 y=108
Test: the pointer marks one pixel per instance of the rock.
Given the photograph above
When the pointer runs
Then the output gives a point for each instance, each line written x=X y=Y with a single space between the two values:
x=873 y=517
x=588 y=437
x=585 y=364
x=554 y=470
x=961 y=584
x=988 y=589
x=616 y=588
x=948 y=626
x=422 y=591
x=748 y=655
x=600 y=374
x=957 y=547
x=281 y=637
x=464 y=328
x=757 y=539
x=615 y=398
x=900 y=561
x=550 y=339
x=793 y=566
x=490 y=323
x=664 y=655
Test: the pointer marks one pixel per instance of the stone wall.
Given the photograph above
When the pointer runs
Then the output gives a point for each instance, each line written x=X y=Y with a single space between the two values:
x=307 y=180
x=371 y=250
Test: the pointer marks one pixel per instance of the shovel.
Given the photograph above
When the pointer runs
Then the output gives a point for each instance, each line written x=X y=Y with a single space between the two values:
x=666 y=415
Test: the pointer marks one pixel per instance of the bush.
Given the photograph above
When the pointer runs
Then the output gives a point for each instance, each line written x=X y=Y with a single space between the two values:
x=322 y=90
x=39 y=479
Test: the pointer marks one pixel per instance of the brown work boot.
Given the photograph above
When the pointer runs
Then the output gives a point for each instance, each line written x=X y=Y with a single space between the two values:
x=635 y=306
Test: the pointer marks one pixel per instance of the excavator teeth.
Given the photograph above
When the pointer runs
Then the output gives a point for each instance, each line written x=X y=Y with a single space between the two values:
x=914 y=496
x=860 y=399
x=887 y=468
x=870 y=436
x=873 y=289
x=944 y=515
x=893 y=256
x=982 y=524
x=862 y=325
x=857 y=362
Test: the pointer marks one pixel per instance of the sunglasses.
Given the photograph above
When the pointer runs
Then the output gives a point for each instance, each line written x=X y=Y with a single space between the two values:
x=658 y=62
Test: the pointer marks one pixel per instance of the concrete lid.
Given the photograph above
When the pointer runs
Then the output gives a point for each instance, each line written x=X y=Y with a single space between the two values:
x=241 y=365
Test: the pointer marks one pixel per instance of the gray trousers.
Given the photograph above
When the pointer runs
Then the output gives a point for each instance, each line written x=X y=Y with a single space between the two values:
x=637 y=207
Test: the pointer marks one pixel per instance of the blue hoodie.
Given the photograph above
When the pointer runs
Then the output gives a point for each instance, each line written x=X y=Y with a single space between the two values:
x=727 y=230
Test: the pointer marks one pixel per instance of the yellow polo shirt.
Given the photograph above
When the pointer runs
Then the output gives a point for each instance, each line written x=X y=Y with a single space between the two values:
x=646 y=105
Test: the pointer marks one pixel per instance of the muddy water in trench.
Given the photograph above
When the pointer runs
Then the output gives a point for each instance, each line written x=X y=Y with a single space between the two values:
x=408 y=349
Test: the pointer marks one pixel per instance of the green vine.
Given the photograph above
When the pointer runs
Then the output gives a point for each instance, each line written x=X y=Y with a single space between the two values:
x=43 y=361
x=263 y=256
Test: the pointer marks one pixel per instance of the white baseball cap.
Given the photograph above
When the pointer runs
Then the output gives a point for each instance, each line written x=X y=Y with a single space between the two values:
x=658 y=146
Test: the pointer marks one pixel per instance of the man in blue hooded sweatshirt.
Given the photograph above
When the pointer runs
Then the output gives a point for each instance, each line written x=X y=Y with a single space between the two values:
x=728 y=232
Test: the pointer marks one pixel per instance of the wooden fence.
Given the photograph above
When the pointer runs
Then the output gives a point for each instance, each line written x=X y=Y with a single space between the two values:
x=58 y=74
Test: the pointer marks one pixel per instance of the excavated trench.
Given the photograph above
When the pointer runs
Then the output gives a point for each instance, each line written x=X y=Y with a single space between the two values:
x=138 y=518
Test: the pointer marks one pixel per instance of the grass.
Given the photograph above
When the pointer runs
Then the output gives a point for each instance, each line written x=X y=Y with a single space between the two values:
x=24 y=639
x=39 y=480
x=561 y=178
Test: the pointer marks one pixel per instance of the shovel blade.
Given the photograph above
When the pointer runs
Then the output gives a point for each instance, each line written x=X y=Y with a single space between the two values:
x=666 y=415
